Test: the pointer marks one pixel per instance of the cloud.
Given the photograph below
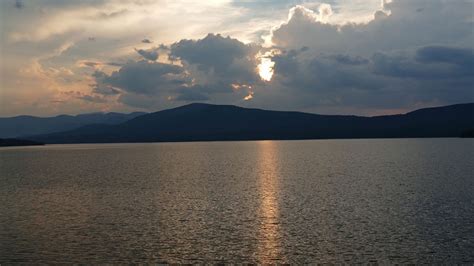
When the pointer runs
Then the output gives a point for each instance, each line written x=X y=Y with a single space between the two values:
x=110 y=15
x=382 y=81
x=317 y=65
x=148 y=84
x=440 y=22
x=93 y=98
x=139 y=101
x=19 y=4
x=222 y=58
x=207 y=69
x=301 y=71
x=407 y=53
x=101 y=86
x=349 y=60
x=451 y=55
x=418 y=52
x=304 y=28
x=150 y=54
x=96 y=64
x=431 y=62
x=144 y=77
x=192 y=94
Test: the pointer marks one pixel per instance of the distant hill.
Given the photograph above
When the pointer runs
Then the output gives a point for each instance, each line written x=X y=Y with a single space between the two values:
x=18 y=126
x=468 y=133
x=205 y=122
x=18 y=142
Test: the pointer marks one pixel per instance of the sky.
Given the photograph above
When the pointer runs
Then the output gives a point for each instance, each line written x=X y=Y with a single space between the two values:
x=363 y=57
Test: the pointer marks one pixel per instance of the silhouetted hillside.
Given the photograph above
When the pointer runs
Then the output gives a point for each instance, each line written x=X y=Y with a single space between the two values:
x=205 y=122
x=468 y=133
x=17 y=142
x=11 y=127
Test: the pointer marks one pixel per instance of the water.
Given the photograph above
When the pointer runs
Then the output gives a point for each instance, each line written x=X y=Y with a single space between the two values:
x=327 y=201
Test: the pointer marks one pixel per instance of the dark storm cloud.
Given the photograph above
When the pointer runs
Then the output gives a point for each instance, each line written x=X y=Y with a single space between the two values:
x=144 y=77
x=321 y=73
x=400 y=67
x=228 y=59
x=202 y=70
x=143 y=83
x=441 y=54
x=214 y=51
x=102 y=87
x=349 y=60
x=150 y=54
x=386 y=80
x=191 y=94
x=432 y=62
x=19 y=4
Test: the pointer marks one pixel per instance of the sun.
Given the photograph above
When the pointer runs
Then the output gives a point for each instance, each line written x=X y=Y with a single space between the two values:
x=265 y=68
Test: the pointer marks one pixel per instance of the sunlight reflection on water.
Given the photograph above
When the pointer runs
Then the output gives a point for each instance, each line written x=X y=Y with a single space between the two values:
x=334 y=201
x=270 y=238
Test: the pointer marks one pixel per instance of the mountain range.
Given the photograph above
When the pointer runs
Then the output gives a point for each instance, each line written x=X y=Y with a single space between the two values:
x=13 y=127
x=206 y=122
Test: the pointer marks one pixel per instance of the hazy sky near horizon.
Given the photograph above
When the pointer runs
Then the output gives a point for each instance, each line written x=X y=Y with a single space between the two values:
x=336 y=56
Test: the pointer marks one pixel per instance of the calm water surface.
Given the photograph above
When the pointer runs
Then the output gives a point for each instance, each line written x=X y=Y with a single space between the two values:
x=385 y=201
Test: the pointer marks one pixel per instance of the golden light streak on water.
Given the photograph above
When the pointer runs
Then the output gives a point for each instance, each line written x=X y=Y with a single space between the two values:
x=269 y=245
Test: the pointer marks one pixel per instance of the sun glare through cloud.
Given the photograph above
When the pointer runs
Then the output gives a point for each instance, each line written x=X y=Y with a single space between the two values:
x=265 y=68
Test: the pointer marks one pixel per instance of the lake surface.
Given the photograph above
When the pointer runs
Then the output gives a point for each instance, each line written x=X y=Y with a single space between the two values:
x=327 y=201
